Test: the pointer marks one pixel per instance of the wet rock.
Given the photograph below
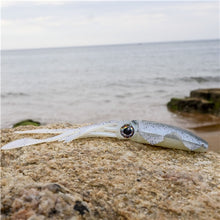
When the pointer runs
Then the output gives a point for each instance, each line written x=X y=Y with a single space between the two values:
x=201 y=100
x=27 y=122
x=191 y=105
x=207 y=94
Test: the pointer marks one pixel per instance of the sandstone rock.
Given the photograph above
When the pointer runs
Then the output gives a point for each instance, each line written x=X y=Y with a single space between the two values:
x=104 y=178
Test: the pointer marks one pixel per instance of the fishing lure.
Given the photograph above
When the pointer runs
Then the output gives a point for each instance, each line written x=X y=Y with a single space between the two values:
x=140 y=131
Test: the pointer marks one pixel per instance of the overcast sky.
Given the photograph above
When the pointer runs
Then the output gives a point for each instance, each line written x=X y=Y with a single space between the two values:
x=37 y=24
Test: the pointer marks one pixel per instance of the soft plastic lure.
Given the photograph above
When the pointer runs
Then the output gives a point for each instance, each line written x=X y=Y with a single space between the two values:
x=141 y=131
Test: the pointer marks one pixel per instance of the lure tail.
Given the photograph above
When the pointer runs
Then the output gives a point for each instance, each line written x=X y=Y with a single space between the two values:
x=22 y=143
x=98 y=130
x=30 y=141
x=44 y=131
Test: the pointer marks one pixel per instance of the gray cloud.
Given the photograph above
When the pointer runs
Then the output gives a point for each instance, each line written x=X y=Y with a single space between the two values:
x=55 y=24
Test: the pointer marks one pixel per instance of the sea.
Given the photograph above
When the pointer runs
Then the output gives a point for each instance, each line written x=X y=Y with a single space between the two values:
x=91 y=84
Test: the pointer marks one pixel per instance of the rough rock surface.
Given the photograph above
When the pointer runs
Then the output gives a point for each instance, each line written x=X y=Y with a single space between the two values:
x=104 y=178
x=200 y=100
x=207 y=94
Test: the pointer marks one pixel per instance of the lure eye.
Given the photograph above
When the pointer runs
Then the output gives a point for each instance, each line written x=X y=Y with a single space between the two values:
x=127 y=131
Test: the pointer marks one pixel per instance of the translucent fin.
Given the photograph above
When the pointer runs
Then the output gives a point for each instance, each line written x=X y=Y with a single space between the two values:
x=152 y=139
x=105 y=129
x=90 y=134
x=98 y=130
x=21 y=143
x=44 y=131
x=30 y=141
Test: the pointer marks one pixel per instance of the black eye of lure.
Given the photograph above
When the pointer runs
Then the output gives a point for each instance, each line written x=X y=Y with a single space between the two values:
x=127 y=131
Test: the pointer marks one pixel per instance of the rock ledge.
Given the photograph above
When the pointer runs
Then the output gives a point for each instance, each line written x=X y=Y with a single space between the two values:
x=201 y=100
x=104 y=178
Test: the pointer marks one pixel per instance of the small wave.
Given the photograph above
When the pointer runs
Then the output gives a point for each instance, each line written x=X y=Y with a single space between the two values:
x=116 y=85
x=202 y=79
x=14 y=94
x=160 y=91
x=124 y=95
x=161 y=78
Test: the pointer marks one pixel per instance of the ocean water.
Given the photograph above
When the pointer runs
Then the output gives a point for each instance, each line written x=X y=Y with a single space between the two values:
x=98 y=83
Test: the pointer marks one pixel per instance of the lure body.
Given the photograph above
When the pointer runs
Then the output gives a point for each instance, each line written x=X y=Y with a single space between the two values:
x=140 y=131
x=169 y=136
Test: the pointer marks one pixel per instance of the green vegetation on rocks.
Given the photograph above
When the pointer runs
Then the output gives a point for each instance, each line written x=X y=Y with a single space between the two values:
x=26 y=122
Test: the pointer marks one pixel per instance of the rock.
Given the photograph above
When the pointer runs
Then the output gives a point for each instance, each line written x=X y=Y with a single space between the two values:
x=207 y=94
x=106 y=178
x=34 y=201
x=191 y=105
x=26 y=122
x=201 y=100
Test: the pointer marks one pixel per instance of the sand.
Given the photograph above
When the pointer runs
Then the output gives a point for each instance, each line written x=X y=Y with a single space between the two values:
x=104 y=178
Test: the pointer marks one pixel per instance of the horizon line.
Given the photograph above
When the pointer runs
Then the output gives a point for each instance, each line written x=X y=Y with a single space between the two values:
x=116 y=44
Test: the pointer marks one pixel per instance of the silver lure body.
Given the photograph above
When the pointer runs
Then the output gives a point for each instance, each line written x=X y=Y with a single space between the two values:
x=168 y=136
x=140 y=131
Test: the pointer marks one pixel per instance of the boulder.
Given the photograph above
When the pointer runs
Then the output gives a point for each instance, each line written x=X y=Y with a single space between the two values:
x=191 y=105
x=201 y=100
x=207 y=94
x=106 y=178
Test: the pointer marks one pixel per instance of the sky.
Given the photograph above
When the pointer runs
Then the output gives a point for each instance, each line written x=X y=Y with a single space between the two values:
x=49 y=23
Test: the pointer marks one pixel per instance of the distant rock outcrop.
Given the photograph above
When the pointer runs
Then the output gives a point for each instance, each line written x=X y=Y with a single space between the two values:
x=27 y=122
x=200 y=100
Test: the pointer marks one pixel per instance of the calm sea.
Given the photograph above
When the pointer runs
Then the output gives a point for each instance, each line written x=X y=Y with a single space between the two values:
x=98 y=83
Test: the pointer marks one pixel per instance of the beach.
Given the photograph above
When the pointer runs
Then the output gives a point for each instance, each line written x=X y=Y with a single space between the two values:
x=101 y=83
x=92 y=84
x=122 y=97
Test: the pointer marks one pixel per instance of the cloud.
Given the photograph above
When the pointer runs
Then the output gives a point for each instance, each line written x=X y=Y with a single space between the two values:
x=10 y=3
x=106 y=23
